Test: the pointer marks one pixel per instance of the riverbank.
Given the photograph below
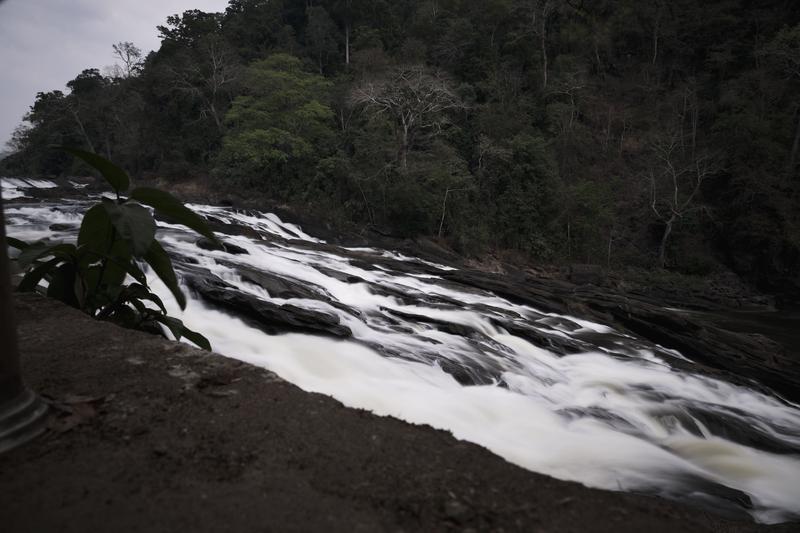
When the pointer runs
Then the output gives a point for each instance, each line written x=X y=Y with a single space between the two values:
x=720 y=291
x=150 y=435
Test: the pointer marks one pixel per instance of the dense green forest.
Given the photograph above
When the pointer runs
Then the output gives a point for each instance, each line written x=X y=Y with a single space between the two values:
x=616 y=132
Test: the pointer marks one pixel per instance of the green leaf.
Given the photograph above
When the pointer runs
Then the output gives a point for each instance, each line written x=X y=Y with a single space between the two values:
x=115 y=176
x=31 y=280
x=136 y=292
x=136 y=273
x=96 y=229
x=179 y=331
x=125 y=316
x=16 y=243
x=31 y=253
x=134 y=224
x=174 y=325
x=41 y=250
x=161 y=264
x=197 y=338
x=79 y=287
x=62 y=285
x=97 y=241
x=169 y=206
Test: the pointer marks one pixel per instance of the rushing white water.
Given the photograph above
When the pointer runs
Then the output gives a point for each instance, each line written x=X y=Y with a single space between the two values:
x=615 y=415
x=15 y=187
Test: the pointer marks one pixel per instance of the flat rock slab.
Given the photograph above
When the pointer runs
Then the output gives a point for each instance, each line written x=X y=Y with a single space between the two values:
x=149 y=435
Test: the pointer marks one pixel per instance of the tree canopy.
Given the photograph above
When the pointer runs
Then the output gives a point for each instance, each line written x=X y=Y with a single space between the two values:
x=557 y=128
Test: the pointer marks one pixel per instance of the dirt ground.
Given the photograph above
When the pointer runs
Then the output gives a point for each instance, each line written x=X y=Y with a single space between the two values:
x=148 y=435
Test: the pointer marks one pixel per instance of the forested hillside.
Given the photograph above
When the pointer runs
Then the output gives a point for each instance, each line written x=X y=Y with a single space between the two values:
x=655 y=134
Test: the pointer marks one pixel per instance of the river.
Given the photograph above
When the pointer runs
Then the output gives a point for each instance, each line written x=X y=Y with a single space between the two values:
x=400 y=340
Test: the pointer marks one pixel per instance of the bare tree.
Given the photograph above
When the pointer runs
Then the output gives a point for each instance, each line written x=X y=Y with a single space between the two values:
x=675 y=185
x=569 y=87
x=444 y=206
x=131 y=58
x=209 y=79
x=416 y=99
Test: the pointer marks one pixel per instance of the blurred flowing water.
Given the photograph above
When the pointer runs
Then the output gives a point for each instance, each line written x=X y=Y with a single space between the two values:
x=614 y=414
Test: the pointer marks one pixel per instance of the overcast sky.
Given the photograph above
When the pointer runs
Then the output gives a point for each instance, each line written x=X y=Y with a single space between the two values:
x=46 y=43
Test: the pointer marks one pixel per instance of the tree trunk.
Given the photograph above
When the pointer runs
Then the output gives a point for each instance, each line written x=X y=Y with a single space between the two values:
x=544 y=58
x=347 y=44
x=444 y=211
x=215 y=116
x=569 y=239
x=597 y=57
x=82 y=129
x=403 y=155
x=655 y=35
x=795 y=144
x=662 y=249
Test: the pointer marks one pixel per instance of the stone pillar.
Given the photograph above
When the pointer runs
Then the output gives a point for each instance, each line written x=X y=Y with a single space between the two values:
x=10 y=375
x=22 y=413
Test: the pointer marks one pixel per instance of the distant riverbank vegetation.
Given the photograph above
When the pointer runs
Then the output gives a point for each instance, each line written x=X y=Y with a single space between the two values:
x=653 y=134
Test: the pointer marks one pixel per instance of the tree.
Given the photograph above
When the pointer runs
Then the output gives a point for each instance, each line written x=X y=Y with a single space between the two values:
x=416 y=98
x=208 y=75
x=675 y=185
x=321 y=35
x=536 y=16
x=48 y=122
x=282 y=122
x=131 y=58
x=188 y=29
x=86 y=92
x=783 y=51
x=526 y=188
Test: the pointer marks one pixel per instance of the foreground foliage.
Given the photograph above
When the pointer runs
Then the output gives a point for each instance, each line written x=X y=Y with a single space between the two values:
x=116 y=237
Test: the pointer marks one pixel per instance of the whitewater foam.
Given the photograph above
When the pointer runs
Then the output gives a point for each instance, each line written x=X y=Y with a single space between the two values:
x=618 y=417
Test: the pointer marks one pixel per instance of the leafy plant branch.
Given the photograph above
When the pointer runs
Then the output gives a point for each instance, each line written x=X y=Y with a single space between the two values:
x=115 y=239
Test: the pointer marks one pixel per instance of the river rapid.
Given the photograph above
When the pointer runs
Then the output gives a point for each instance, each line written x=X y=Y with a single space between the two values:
x=385 y=332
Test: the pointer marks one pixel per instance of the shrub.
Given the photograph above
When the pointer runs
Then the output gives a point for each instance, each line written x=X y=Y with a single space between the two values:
x=116 y=237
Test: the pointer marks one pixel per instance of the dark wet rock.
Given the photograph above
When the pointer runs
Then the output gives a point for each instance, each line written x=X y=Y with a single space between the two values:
x=725 y=501
x=187 y=259
x=266 y=316
x=715 y=351
x=599 y=413
x=62 y=227
x=744 y=358
x=559 y=322
x=218 y=226
x=542 y=339
x=207 y=244
x=586 y=274
x=287 y=288
x=466 y=375
x=341 y=276
x=279 y=287
x=732 y=428
x=442 y=325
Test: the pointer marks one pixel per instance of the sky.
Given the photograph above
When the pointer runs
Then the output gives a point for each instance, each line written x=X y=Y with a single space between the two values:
x=46 y=43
